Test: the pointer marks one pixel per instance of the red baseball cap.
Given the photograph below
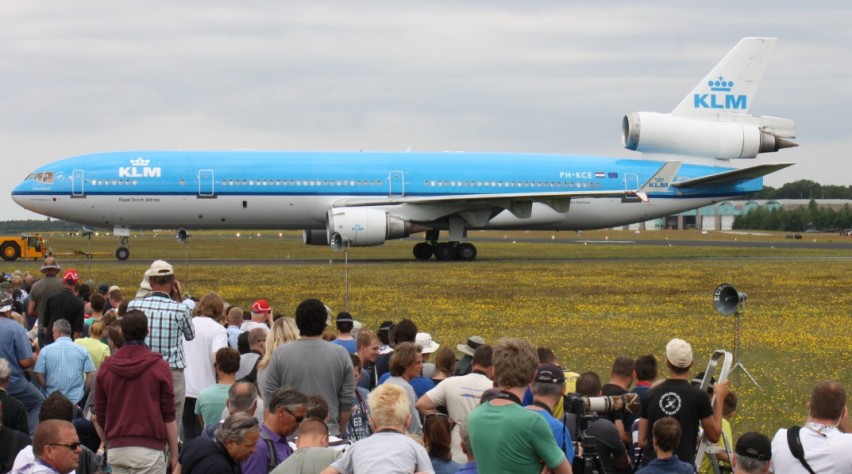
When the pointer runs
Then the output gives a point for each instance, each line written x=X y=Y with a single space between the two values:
x=261 y=306
x=71 y=276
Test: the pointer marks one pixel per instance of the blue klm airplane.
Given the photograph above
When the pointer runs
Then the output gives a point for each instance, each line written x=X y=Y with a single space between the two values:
x=366 y=198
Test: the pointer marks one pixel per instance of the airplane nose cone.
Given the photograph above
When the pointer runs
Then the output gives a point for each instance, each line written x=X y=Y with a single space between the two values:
x=20 y=197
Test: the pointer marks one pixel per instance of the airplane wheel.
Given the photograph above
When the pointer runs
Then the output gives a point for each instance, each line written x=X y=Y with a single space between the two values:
x=10 y=251
x=466 y=252
x=444 y=252
x=122 y=253
x=423 y=251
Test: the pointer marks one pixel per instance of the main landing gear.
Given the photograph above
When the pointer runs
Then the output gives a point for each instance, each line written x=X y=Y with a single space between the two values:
x=443 y=251
x=123 y=253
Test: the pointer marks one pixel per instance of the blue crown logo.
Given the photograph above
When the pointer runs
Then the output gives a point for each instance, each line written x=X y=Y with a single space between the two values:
x=140 y=162
x=720 y=85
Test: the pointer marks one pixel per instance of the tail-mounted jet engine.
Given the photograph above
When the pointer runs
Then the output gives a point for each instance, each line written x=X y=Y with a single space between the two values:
x=729 y=137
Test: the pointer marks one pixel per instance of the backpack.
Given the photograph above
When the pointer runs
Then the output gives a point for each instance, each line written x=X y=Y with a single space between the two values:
x=273 y=453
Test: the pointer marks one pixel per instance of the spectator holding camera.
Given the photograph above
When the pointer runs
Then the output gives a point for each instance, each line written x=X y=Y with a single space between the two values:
x=677 y=398
x=825 y=442
x=611 y=451
x=169 y=323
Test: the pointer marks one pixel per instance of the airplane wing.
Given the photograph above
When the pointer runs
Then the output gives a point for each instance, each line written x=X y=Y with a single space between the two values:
x=519 y=204
x=731 y=177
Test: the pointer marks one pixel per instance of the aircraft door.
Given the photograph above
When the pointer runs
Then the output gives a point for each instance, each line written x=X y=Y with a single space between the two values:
x=631 y=181
x=77 y=189
x=205 y=183
x=396 y=183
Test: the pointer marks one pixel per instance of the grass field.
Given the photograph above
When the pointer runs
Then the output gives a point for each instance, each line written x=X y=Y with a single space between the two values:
x=589 y=303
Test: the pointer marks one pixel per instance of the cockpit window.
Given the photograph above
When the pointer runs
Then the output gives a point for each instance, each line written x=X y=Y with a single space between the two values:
x=45 y=177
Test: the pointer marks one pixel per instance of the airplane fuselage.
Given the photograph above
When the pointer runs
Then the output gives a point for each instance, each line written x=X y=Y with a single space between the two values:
x=294 y=190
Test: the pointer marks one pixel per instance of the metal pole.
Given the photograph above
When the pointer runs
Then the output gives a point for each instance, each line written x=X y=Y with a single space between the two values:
x=89 y=257
x=346 y=278
x=738 y=354
x=186 y=266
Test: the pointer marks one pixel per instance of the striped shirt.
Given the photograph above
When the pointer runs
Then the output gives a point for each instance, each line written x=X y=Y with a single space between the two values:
x=169 y=322
x=63 y=364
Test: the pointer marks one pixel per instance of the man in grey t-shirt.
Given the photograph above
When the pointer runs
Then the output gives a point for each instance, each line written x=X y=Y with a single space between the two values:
x=312 y=365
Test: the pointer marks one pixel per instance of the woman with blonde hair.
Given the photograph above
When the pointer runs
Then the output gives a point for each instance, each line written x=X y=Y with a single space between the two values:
x=98 y=351
x=200 y=353
x=283 y=331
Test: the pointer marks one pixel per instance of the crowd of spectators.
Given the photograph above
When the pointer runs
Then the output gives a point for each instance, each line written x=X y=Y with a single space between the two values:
x=92 y=382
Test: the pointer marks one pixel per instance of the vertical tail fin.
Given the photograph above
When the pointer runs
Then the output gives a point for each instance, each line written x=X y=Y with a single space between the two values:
x=731 y=85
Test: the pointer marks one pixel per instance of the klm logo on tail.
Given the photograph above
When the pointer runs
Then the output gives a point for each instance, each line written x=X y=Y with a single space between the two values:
x=717 y=100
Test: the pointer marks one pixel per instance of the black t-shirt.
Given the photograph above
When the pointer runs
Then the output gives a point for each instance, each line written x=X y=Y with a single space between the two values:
x=63 y=305
x=382 y=364
x=686 y=403
x=609 y=390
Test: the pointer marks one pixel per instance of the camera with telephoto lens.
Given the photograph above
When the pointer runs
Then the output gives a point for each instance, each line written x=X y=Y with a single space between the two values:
x=578 y=405
x=586 y=409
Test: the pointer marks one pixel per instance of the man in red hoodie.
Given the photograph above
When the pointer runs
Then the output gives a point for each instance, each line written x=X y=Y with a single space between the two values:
x=134 y=403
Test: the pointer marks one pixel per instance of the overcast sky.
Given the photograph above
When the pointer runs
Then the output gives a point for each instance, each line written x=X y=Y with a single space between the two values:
x=509 y=76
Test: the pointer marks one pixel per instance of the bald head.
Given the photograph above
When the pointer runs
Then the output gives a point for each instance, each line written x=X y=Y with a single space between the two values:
x=242 y=397
x=313 y=433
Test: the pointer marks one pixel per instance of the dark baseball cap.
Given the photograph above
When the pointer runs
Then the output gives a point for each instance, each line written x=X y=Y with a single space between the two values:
x=754 y=445
x=549 y=373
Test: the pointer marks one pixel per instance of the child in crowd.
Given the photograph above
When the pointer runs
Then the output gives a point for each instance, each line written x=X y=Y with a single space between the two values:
x=666 y=433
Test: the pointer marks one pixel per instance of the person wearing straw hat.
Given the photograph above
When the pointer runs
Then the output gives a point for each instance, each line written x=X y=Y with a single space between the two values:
x=463 y=367
x=41 y=291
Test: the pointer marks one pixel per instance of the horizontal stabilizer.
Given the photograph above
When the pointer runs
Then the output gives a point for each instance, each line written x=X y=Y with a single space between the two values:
x=731 y=177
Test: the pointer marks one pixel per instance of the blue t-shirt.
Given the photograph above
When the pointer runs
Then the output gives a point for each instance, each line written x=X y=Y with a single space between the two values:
x=421 y=385
x=443 y=466
x=560 y=433
x=14 y=346
x=670 y=465
x=348 y=344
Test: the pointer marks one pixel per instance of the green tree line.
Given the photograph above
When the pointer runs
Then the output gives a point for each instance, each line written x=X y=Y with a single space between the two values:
x=31 y=226
x=804 y=189
x=796 y=220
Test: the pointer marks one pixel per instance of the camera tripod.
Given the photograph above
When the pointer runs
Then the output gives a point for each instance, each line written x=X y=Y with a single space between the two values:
x=590 y=462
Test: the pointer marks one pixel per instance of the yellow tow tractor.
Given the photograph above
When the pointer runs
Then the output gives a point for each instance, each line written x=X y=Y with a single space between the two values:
x=23 y=246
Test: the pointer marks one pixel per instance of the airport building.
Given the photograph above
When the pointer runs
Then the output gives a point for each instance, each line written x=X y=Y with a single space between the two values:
x=720 y=216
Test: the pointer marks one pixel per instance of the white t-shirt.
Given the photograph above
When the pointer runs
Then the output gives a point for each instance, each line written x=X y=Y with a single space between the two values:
x=249 y=325
x=460 y=395
x=200 y=353
x=384 y=452
x=826 y=454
